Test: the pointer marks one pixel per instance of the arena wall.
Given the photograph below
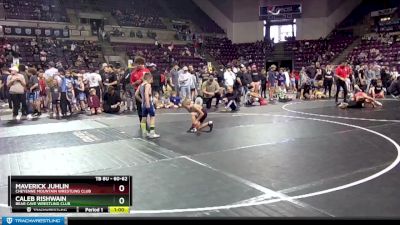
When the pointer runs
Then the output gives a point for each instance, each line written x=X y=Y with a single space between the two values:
x=309 y=28
x=215 y=14
x=240 y=20
x=245 y=31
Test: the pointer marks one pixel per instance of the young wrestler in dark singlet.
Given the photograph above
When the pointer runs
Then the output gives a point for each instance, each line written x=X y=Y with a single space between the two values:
x=359 y=100
x=199 y=115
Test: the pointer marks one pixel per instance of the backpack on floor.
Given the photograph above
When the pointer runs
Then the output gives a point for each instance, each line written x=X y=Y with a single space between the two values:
x=263 y=101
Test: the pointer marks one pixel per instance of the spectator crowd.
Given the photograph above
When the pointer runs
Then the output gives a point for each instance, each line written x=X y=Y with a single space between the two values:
x=64 y=91
x=64 y=78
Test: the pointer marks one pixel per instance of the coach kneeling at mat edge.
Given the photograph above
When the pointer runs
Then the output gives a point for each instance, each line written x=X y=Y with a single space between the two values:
x=210 y=89
x=111 y=101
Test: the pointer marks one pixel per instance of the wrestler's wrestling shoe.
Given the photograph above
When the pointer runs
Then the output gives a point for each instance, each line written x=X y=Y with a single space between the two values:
x=152 y=135
x=192 y=130
x=211 y=125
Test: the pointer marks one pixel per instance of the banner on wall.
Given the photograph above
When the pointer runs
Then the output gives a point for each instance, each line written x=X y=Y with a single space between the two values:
x=389 y=22
x=383 y=12
x=42 y=32
x=280 y=12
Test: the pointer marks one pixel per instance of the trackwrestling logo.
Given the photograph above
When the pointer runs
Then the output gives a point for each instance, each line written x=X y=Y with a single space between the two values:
x=272 y=10
x=33 y=220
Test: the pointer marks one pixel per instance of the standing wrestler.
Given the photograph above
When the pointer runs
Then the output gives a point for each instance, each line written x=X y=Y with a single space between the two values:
x=144 y=95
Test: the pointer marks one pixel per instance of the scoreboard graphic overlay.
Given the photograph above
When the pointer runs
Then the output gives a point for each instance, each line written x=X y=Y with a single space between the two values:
x=70 y=194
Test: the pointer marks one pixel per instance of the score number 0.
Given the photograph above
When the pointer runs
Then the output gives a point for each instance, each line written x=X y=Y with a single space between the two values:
x=121 y=200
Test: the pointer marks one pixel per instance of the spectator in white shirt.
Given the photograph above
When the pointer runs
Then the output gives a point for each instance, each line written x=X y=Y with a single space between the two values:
x=193 y=82
x=95 y=82
x=229 y=77
x=73 y=47
x=51 y=71
x=185 y=79
x=287 y=78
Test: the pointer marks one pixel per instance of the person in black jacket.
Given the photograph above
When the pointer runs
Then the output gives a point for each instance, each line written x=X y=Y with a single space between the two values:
x=385 y=77
x=239 y=85
x=220 y=76
x=328 y=80
x=111 y=101
x=230 y=100
x=246 y=78
x=394 y=88
x=156 y=85
x=319 y=76
x=264 y=83
x=311 y=71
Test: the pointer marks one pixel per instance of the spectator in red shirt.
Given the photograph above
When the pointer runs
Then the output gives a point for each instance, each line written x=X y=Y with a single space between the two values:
x=342 y=73
x=137 y=78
